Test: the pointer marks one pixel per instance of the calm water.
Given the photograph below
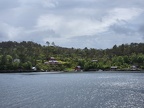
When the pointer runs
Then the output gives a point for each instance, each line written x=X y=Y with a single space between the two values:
x=74 y=90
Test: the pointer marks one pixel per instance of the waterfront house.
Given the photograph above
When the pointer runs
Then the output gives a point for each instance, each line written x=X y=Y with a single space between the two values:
x=78 y=68
x=34 y=68
x=133 y=67
x=114 y=68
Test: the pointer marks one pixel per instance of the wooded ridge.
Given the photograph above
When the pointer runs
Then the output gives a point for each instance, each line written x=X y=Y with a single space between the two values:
x=28 y=55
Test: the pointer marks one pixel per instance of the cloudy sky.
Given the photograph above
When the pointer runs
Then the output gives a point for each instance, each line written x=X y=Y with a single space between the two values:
x=73 y=23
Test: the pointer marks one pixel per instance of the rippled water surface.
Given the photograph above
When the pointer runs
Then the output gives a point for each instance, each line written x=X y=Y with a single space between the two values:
x=73 y=90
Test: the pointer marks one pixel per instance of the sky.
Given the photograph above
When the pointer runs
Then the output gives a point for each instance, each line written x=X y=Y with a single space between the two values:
x=96 y=24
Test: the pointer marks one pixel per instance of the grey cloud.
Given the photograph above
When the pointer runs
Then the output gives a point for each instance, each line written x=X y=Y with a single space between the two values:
x=103 y=40
x=8 y=4
x=24 y=14
x=141 y=30
x=99 y=4
x=140 y=23
x=37 y=36
x=27 y=18
x=89 y=41
x=3 y=32
x=3 y=36
x=100 y=8
x=123 y=28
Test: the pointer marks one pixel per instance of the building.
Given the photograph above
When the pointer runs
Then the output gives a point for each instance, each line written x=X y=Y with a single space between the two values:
x=114 y=68
x=133 y=67
x=94 y=60
x=78 y=68
x=52 y=60
x=34 y=68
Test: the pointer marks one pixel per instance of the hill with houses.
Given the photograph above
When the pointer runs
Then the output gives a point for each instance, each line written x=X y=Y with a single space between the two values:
x=30 y=56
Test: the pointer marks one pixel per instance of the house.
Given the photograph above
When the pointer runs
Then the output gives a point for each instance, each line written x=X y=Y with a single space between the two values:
x=34 y=68
x=78 y=68
x=114 y=68
x=133 y=67
x=52 y=60
x=94 y=60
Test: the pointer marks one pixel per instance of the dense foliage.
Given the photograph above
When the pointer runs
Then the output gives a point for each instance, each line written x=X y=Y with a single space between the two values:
x=25 y=55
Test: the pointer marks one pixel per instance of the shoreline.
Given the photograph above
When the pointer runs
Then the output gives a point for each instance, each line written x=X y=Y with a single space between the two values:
x=97 y=71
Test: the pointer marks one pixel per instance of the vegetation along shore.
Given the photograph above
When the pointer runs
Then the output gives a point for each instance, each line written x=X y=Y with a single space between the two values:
x=28 y=56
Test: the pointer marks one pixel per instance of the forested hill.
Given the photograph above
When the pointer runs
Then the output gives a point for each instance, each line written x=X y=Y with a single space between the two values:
x=25 y=55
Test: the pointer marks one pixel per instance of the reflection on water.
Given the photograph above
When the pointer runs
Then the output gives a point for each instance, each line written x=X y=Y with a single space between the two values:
x=75 y=90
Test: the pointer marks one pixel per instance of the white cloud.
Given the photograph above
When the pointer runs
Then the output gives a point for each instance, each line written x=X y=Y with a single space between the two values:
x=79 y=26
x=10 y=32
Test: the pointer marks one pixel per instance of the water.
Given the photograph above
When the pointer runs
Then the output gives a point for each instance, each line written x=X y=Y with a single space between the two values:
x=73 y=90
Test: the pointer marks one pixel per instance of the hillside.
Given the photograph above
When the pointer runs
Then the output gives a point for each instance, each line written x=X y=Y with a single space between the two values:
x=25 y=55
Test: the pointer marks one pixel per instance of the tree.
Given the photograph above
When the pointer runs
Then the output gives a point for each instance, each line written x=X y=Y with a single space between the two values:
x=48 y=43
x=53 y=44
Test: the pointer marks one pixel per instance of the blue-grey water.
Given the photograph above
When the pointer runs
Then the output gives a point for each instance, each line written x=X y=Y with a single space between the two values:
x=73 y=90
